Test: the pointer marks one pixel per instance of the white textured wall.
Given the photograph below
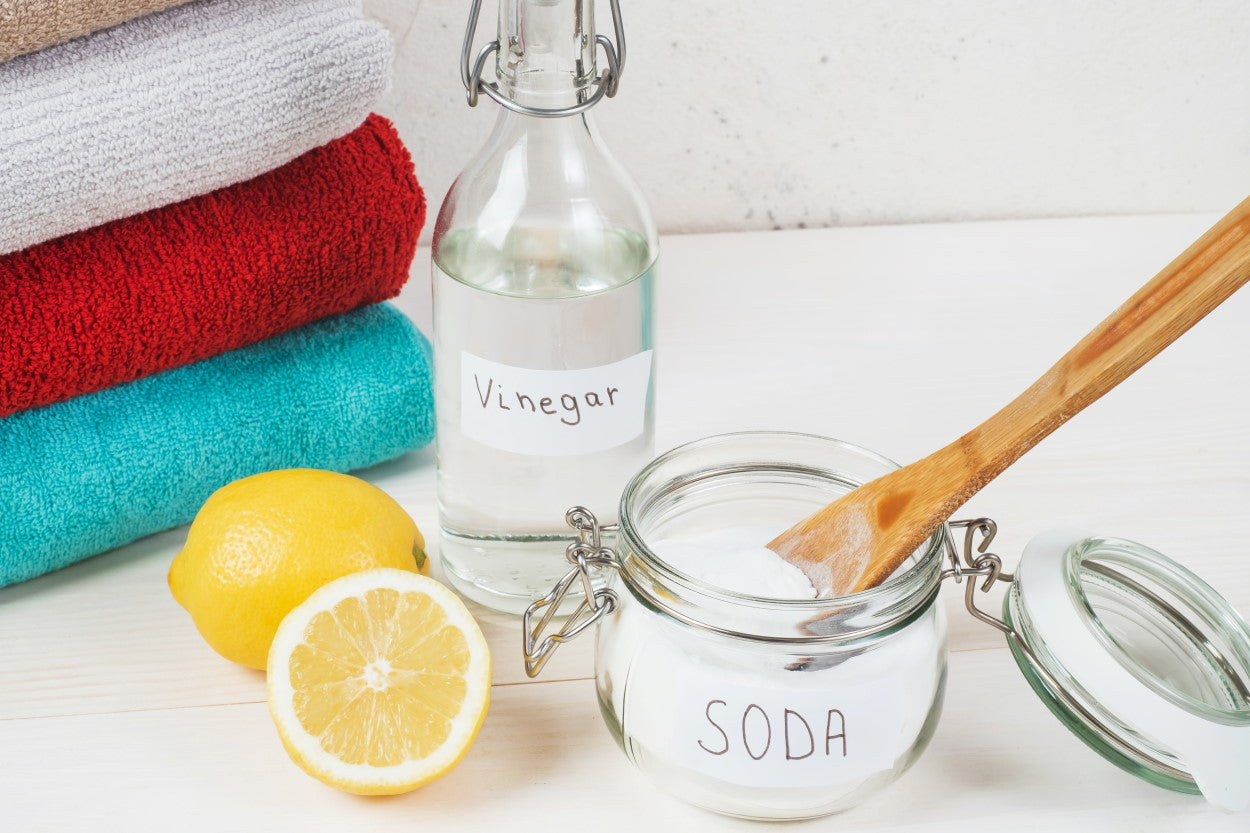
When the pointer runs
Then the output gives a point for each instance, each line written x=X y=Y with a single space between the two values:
x=781 y=113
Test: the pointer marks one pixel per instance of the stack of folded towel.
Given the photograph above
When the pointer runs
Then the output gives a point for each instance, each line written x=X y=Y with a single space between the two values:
x=198 y=222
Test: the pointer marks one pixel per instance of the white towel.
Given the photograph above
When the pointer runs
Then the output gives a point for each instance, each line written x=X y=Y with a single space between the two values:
x=177 y=104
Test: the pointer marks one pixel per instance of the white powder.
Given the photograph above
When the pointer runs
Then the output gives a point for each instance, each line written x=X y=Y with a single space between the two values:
x=737 y=559
x=724 y=723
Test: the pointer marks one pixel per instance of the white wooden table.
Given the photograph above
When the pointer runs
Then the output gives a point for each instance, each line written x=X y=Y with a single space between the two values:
x=115 y=715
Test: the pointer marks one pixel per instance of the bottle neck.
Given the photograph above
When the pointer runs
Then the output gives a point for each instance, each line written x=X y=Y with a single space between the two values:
x=547 y=51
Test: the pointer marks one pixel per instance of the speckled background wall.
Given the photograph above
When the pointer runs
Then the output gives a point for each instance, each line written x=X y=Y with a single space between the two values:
x=755 y=115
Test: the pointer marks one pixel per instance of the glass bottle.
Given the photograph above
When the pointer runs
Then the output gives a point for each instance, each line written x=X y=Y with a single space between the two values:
x=544 y=262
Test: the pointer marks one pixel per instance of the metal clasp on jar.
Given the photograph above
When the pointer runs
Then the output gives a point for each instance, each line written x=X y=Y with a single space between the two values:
x=585 y=552
x=972 y=565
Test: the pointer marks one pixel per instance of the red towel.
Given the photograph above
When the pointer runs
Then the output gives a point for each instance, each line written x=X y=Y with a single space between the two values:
x=331 y=231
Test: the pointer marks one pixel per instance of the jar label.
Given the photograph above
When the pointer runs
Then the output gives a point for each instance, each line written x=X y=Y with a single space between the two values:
x=554 y=412
x=786 y=737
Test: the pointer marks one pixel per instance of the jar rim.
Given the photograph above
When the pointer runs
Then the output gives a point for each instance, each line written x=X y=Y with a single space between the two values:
x=1209 y=609
x=913 y=575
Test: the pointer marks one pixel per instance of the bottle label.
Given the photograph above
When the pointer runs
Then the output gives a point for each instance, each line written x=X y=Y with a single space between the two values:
x=554 y=412
x=785 y=737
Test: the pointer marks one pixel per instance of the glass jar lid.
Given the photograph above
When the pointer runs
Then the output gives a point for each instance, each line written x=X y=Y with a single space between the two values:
x=1140 y=658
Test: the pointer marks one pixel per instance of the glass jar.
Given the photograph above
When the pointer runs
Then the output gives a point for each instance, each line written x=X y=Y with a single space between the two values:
x=756 y=707
x=771 y=709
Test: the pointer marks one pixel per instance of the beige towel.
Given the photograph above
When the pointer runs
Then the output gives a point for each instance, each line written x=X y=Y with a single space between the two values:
x=27 y=25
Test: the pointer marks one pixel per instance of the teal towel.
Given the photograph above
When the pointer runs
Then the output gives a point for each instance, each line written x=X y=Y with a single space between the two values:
x=92 y=473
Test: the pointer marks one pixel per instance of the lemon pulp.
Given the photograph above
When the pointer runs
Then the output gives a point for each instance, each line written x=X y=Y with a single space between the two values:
x=379 y=682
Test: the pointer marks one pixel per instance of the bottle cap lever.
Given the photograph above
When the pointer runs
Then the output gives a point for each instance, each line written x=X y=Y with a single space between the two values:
x=605 y=85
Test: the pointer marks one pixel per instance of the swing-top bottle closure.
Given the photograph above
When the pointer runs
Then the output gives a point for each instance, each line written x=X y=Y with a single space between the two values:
x=592 y=87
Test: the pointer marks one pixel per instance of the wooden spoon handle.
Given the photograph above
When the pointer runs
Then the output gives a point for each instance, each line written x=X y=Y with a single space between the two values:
x=858 y=541
x=1192 y=285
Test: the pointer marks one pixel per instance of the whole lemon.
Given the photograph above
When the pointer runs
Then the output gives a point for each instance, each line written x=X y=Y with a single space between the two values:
x=260 y=546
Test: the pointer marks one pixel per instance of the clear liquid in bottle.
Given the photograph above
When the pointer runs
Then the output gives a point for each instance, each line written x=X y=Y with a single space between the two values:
x=544 y=262
x=502 y=510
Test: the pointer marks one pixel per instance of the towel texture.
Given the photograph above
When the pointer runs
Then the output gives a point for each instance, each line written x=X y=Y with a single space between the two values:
x=177 y=104
x=83 y=476
x=333 y=230
x=27 y=25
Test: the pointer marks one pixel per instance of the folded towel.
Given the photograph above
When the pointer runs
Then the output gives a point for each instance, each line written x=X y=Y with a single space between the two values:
x=83 y=476
x=176 y=104
x=27 y=25
x=331 y=231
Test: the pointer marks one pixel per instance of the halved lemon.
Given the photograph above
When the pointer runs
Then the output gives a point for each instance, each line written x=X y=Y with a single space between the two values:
x=379 y=682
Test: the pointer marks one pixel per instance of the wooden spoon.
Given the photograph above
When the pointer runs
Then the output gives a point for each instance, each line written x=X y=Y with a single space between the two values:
x=859 y=540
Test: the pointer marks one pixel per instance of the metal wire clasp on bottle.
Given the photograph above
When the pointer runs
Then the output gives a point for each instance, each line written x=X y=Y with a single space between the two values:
x=584 y=553
x=606 y=84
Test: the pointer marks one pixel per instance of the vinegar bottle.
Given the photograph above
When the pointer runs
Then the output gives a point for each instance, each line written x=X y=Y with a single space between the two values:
x=544 y=269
